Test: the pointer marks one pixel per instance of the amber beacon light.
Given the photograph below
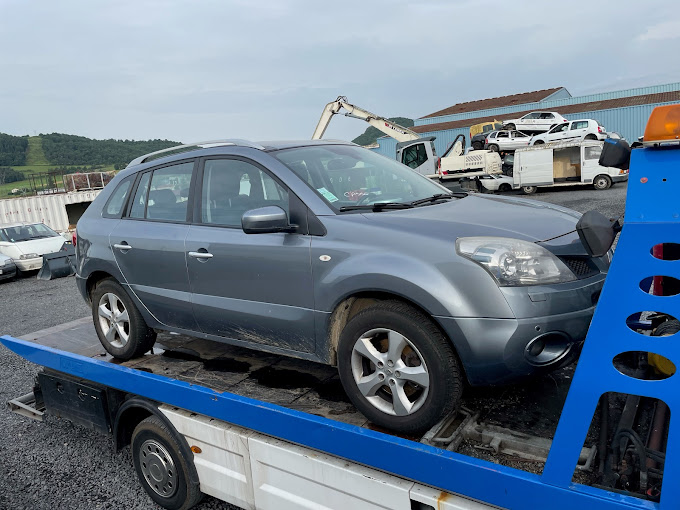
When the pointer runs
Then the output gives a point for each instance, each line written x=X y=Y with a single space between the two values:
x=663 y=125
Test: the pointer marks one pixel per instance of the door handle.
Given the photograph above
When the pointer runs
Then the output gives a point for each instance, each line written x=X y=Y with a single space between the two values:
x=200 y=254
x=123 y=247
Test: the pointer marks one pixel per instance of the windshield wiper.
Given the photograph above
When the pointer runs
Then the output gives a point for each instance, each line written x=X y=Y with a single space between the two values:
x=438 y=196
x=378 y=206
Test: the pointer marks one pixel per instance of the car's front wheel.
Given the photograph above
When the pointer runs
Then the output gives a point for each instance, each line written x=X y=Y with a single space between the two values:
x=120 y=327
x=398 y=368
x=538 y=142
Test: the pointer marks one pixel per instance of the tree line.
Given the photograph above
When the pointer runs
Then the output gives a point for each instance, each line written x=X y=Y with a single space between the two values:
x=13 y=150
x=63 y=149
x=8 y=174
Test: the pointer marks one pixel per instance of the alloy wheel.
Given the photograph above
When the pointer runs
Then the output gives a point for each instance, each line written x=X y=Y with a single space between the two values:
x=114 y=320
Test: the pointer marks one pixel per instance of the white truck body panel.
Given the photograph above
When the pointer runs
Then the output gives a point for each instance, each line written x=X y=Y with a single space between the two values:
x=258 y=472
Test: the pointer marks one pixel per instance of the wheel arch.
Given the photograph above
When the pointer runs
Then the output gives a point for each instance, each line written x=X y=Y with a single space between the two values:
x=352 y=304
x=131 y=413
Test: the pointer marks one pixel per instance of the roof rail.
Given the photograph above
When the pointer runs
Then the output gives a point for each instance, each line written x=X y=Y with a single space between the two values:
x=216 y=143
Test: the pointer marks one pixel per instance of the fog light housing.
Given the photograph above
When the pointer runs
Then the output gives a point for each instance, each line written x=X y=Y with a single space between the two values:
x=548 y=348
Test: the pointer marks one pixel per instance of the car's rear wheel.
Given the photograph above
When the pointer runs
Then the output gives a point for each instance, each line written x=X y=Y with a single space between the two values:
x=504 y=187
x=529 y=190
x=602 y=182
x=161 y=467
x=120 y=327
x=398 y=368
x=493 y=147
x=538 y=142
x=591 y=137
x=477 y=146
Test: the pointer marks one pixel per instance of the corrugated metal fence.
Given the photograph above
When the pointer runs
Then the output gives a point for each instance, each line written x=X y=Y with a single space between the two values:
x=49 y=209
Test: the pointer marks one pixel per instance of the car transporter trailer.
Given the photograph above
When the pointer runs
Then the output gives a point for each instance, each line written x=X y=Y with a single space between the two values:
x=243 y=443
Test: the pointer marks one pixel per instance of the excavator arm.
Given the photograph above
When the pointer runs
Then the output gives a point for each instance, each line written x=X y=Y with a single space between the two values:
x=399 y=133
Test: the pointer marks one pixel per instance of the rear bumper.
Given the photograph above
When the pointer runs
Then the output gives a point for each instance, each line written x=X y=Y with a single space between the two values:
x=620 y=178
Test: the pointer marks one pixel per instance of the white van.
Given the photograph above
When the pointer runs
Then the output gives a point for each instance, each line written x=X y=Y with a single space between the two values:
x=563 y=164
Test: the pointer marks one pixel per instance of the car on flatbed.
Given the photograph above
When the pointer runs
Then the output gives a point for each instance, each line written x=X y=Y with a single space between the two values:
x=329 y=252
x=506 y=140
x=572 y=131
x=535 y=122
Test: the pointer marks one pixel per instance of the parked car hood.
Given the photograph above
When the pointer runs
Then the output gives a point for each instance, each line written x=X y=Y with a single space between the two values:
x=484 y=215
x=39 y=246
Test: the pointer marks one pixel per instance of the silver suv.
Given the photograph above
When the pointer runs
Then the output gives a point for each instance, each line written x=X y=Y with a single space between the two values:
x=329 y=252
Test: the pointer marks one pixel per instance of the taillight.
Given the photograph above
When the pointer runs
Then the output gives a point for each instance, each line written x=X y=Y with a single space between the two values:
x=73 y=238
x=486 y=140
x=439 y=164
x=600 y=129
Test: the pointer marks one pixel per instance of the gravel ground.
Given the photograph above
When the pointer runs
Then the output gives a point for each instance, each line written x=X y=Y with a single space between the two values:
x=59 y=465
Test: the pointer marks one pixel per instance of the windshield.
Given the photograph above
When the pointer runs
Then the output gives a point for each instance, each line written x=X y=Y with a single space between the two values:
x=347 y=176
x=26 y=233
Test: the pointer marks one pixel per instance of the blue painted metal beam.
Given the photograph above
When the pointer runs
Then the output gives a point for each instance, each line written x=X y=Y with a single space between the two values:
x=484 y=481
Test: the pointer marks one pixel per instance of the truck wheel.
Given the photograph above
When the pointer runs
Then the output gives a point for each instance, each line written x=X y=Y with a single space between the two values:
x=493 y=147
x=602 y=182
x=398 y=369
x=529 y=190
x=161 y=468
x=120 y=327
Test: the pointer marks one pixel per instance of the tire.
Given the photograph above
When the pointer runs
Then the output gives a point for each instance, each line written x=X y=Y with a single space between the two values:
x=477 y=146
x=538 y=142
x=421 y=348
x=161 y=467
x=529 y=190
x=667 y=328
x=493 y=147
x=504 y=187
x=590 y=137
x=602 y=182
x=109 y=296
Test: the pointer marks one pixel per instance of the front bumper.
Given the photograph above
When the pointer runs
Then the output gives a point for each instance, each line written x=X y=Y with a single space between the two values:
x=29 y=264
x=548 y=331
x=8 y=271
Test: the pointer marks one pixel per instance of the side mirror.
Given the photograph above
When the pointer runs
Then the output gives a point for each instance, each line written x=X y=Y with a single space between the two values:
x=597 y=233
x=266 y=220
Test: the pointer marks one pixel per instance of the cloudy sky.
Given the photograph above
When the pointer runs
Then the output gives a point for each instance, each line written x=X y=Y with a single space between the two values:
x=264 y=69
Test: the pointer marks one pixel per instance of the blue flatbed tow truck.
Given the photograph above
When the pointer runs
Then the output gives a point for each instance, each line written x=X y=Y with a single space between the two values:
x=199 y=423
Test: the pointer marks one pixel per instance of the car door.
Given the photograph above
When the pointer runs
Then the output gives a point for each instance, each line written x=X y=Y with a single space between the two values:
x=578 y=130
x=545 y=121
x=518 y=140
x=528 y=121
x=148 y=243
x=558 y=133
x=590 y=163
x=252 y=288
x=502 y=140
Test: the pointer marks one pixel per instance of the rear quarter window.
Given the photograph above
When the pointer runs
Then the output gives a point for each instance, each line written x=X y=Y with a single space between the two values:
x=116 y=202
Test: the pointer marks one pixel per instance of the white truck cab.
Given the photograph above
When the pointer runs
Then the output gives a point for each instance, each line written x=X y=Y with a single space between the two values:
x=563 y=164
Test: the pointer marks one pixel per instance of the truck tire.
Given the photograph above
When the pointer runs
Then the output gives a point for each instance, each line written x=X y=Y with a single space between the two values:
x=602 y=182
x=120 y=327
x=529 y=190
x=398 y=368
x=493 y=147
x=161 y=468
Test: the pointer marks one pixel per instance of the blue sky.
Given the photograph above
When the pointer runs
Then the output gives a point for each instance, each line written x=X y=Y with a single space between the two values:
x=195 y=70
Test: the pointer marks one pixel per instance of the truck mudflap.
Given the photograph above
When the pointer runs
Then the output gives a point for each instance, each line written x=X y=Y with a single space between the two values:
x=58 y=264
x=449 y=471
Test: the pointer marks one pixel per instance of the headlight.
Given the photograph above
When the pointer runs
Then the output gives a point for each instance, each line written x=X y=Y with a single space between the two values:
x=25 y=256
x=513 y=262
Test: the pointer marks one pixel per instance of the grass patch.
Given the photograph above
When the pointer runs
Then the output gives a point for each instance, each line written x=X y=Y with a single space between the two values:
x=34 y=152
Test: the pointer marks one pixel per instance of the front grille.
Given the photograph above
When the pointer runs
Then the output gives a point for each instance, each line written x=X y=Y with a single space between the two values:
x=581 y=267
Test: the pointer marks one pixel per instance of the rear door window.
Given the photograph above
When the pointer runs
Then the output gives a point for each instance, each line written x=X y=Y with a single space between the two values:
x=582 y=124
x=163 y=194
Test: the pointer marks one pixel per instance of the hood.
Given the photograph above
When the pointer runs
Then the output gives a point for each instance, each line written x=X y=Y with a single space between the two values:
x=39 y=246
x=485 y=215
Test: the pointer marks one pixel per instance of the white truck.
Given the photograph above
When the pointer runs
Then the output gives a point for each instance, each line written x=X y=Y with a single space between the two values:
x=415 y=151
x=563 y=164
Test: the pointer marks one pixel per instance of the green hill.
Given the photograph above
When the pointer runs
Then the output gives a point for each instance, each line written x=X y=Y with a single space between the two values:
x=371 y=135
x=34 y=153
